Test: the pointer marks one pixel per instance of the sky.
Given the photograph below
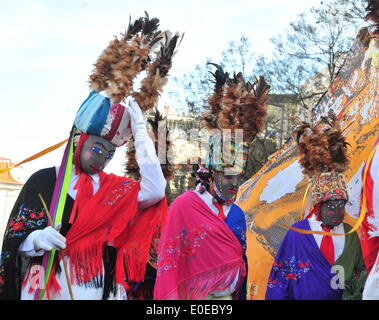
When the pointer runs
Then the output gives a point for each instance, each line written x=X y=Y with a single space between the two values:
x=48 y=48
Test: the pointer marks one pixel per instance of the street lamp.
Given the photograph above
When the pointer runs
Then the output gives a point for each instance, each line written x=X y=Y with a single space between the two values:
x=279 y=105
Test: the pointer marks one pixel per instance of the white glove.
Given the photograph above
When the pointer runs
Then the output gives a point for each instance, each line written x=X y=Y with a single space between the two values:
x=137 y=120
x=48 y=239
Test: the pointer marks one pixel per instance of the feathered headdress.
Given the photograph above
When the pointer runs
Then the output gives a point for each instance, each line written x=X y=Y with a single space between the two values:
x=157 y=72
x=323 y=156
x=141 y=48
x=211 y=117
x=237 y=104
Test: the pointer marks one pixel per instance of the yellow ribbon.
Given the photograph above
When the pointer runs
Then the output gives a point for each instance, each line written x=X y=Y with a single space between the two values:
x=305 y=198
x=37 y=155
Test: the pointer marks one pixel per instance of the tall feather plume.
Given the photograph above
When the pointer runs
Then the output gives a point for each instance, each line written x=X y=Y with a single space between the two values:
x=131 y=165
x=215 y=100
x=337 y=144
x=254 y=105
x=232 y=101
x=167 y=169
x=313 y=154
x=124 y=58
x=237 y=104
x=322 y=147
x=157 y=71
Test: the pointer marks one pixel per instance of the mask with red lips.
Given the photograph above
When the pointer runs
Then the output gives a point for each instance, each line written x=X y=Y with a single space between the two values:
x=227 y=184
x=95 y=154
x=333 y=212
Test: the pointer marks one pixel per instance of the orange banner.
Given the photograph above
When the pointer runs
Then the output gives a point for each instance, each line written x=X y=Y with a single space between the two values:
x=276 y=197
x=36 y=156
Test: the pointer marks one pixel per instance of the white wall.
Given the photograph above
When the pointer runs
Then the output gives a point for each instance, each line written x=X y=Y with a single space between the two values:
x=8 y=196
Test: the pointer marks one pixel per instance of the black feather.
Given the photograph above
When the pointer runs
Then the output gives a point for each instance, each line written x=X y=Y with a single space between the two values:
x=219 y=75
x=150 y=26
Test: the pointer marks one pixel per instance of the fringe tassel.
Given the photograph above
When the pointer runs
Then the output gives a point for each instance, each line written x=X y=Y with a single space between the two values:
x=199 y=286
x=133 y=256
x=131 y=260
x=52 y=287
x=86 y=265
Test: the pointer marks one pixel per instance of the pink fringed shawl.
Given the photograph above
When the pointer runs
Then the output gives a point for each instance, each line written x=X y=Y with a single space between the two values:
x=198 y=253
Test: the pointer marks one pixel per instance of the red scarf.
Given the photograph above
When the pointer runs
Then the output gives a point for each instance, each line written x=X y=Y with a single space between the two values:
x=220 y=209
x=327 y=245
x=111 y=217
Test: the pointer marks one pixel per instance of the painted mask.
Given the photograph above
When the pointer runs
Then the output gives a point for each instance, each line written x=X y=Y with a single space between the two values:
x=333 y=212
x=227 y=185
x=95 y=154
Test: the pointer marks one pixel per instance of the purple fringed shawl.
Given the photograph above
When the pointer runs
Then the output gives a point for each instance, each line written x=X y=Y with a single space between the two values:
x=300 y=271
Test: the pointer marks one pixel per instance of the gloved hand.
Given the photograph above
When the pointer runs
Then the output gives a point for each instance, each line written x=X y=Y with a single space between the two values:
x=48 y=239
x=138 y=121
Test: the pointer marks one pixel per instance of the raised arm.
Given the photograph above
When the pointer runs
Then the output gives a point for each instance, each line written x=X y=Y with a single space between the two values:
x=153 y=183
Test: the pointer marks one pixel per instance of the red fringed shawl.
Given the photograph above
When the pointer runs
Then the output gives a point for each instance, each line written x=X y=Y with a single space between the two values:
x=111 y=217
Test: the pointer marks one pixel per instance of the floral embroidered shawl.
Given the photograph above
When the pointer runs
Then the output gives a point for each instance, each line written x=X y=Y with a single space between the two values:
x=111 y=217
x=301 y=272
x=198 y=253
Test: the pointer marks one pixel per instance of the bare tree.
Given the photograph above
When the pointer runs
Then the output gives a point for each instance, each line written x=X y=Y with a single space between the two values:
x=197 y=88
x=308 y=56
x=238 y=56
x=198 y=84
x=353 y=11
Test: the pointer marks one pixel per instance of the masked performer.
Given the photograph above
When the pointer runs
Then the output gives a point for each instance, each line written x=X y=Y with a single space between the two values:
x=98 y=241
x=202 y=248
x=312 y=265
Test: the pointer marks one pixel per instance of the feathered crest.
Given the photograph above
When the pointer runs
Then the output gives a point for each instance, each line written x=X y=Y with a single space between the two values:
x=215 y=100
x=372 y=14
x=157 y=71
x=237 y=103
x=142 y=47
x=131 y=165
x=125 y=58
x=167 y=169
x=322 y=147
